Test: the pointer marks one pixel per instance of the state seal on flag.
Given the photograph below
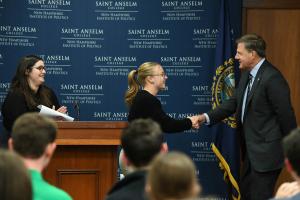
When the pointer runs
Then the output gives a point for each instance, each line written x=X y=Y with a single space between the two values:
x=223 y=87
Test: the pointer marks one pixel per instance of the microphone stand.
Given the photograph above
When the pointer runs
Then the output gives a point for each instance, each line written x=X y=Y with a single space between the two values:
x=76 y=107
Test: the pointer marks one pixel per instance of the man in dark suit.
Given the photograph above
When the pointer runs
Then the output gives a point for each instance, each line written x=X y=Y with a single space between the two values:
x=264 y=116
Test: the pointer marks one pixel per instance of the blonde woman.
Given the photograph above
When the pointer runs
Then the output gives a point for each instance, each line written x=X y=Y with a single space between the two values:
x=144 y=84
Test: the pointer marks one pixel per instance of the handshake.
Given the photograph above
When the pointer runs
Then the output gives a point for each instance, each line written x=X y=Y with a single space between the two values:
x=197 y=120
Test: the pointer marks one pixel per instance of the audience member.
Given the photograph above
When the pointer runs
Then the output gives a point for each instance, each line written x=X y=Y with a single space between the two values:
x=172 y=176
x=141 y=141
x=33 y=137
x=291 y=148
x=15 y=182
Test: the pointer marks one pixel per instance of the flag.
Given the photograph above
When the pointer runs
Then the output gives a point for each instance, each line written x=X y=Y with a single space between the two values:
x=225 y=145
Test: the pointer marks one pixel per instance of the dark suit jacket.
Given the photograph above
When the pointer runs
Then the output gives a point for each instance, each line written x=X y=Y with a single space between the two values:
x=132 y=186
x=268 y=117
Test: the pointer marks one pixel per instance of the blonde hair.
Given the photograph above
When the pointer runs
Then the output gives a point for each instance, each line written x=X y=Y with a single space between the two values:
x=136 y=79
x=172 y=176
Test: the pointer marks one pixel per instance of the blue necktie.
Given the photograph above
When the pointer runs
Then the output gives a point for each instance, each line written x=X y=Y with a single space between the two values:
x=250 y=78
x=245 y=100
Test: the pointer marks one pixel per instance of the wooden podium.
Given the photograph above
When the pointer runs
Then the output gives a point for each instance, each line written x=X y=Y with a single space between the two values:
x=85 y=161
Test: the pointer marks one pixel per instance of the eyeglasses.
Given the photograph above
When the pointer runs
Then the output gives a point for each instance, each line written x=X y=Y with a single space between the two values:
x=40 y=68
x=163 y=74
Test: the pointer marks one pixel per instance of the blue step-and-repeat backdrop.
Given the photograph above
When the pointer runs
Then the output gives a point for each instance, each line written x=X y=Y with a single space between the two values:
x=90 y=46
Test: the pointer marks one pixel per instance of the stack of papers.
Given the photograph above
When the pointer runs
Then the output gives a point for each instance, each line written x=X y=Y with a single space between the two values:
x=44 y=110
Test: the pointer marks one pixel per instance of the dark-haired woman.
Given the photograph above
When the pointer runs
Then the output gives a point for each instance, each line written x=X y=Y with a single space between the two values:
x=27 y=91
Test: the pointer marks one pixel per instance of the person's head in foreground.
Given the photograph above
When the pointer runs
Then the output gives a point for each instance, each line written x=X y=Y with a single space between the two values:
x=33 y=137
x=15 y=181
x=142 y=140
x=172 y=176
x=291 y=148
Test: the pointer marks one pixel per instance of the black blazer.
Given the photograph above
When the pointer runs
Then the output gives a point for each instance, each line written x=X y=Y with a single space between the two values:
x=268 y=117
x=130 y=187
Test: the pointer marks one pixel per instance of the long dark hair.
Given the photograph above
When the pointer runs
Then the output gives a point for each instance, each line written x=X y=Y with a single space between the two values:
x=20 y=83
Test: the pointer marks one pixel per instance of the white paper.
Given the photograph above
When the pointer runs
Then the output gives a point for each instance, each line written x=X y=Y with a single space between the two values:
x=44 y=110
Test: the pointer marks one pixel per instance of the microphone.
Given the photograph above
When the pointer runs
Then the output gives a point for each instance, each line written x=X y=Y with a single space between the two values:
x=76 y=107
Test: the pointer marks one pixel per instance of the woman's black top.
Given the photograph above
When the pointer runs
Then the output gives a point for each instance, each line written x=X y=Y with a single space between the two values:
x=15 y=105
x=145 y=105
